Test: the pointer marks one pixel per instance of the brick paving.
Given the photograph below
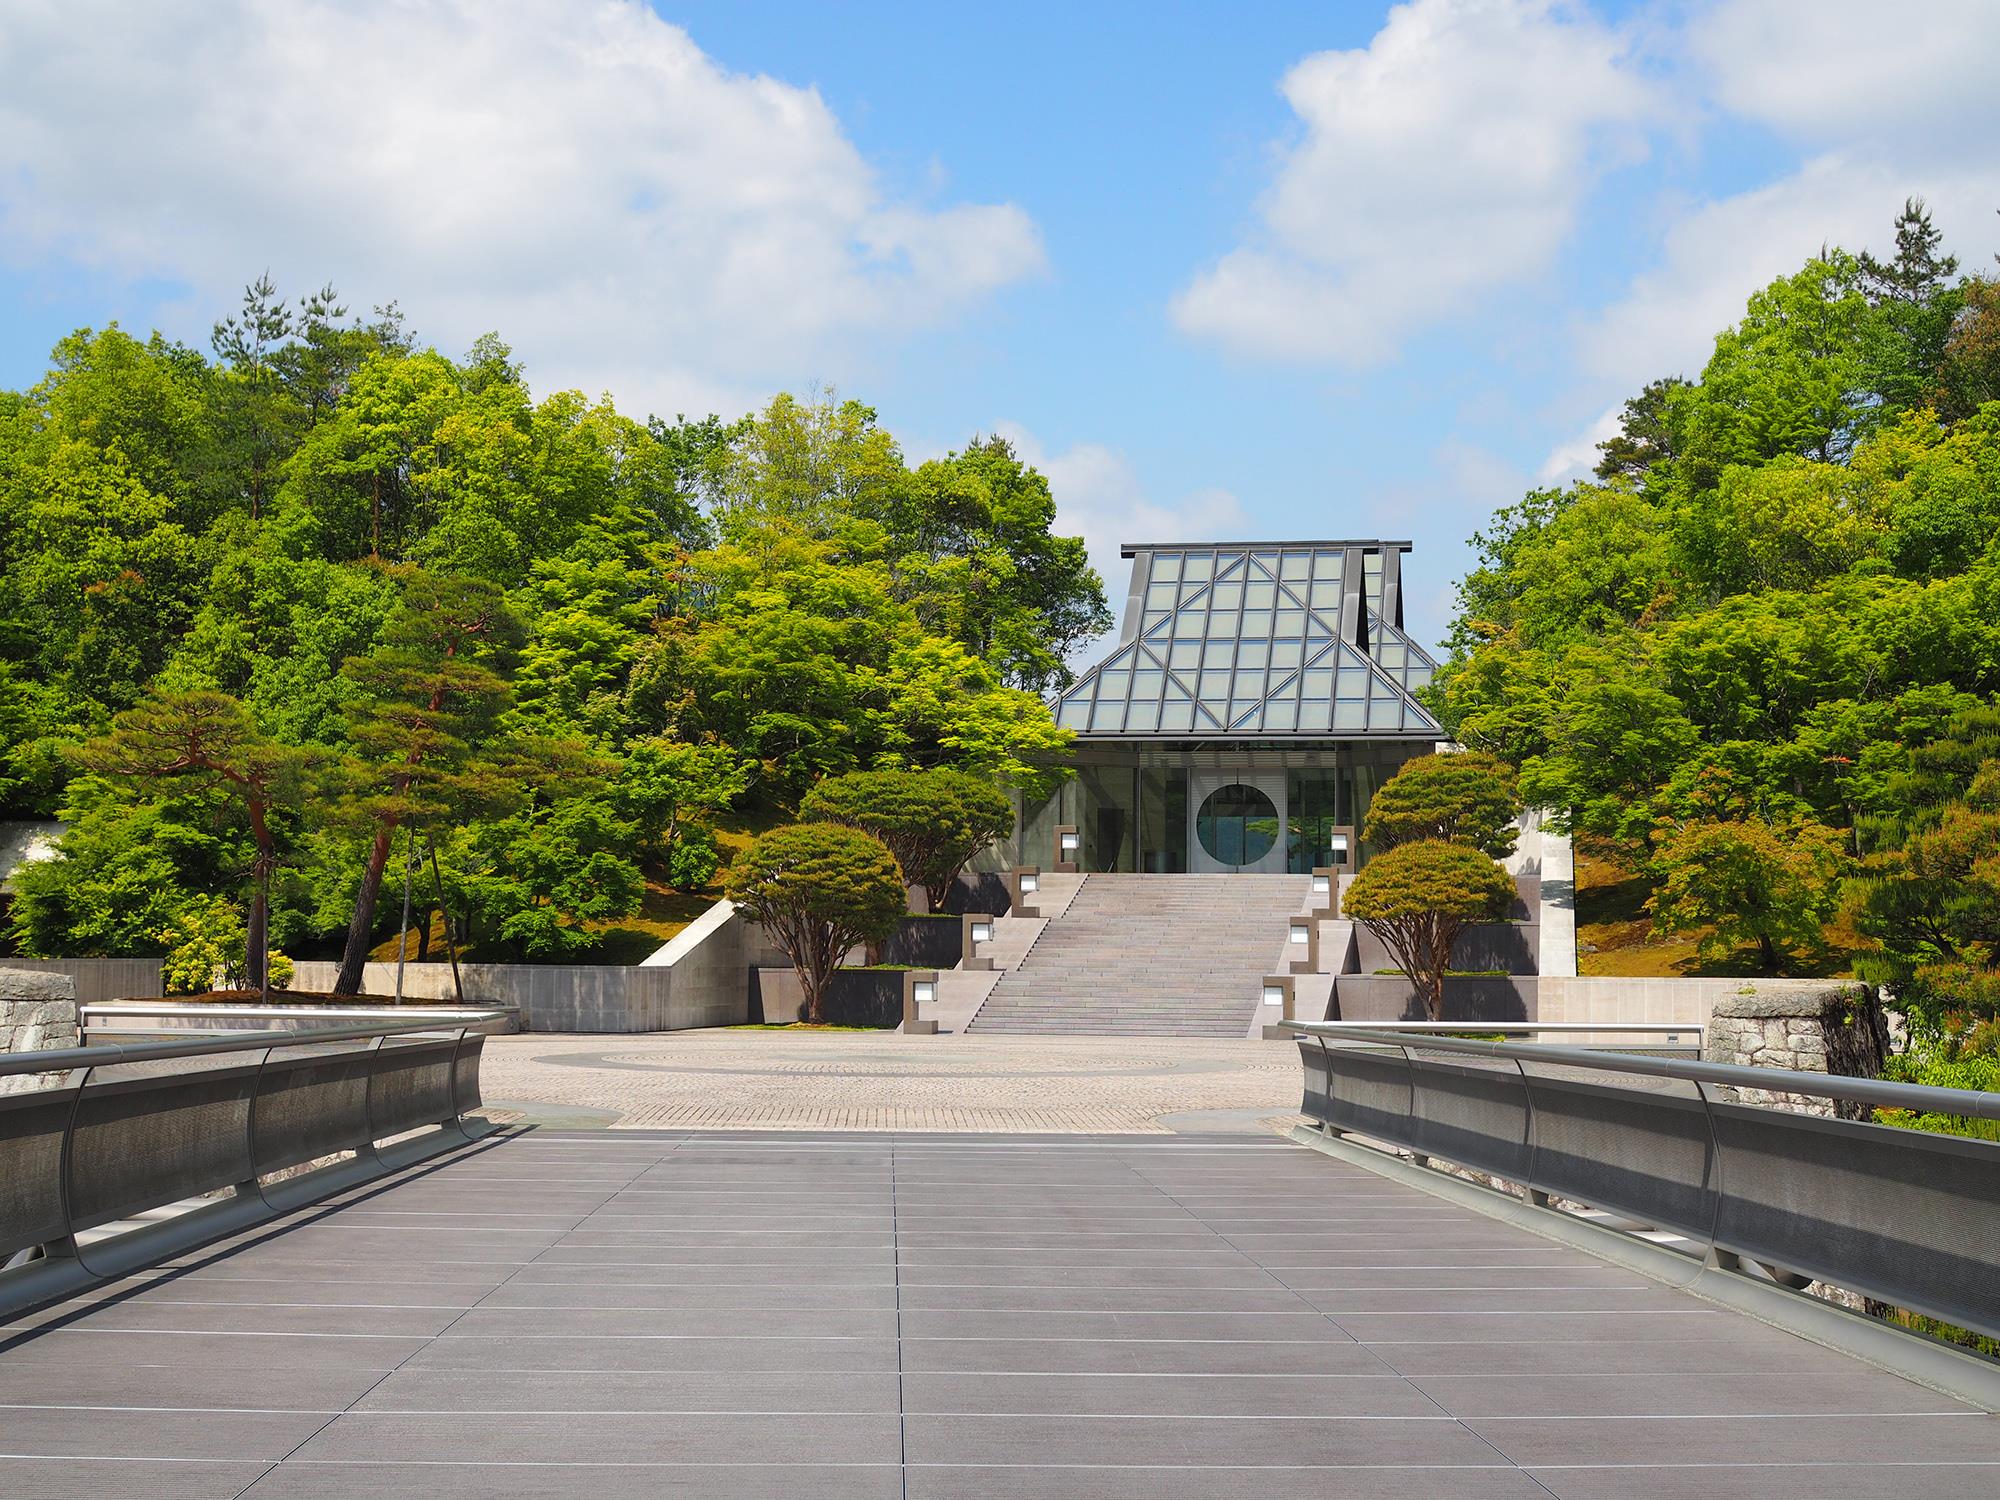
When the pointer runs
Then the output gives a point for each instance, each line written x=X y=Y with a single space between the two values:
x=731 y=1079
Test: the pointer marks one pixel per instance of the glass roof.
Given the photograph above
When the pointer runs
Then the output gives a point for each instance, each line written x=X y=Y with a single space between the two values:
x=1246 y=641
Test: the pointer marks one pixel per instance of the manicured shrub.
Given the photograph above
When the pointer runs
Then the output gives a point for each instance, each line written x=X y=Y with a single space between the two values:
x=1416 y=898
x=934 y=822
x=818 y=889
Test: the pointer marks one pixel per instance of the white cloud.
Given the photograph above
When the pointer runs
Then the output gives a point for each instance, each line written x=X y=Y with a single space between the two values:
x=1577 y=457
x=1100 y=497
x=1885 y=110
x=1850 y=70
x=582 y=174
x=1446 y=159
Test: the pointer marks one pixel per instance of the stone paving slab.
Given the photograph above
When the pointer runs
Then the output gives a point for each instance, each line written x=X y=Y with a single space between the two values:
x=1109 y=1316
x=822 y=1081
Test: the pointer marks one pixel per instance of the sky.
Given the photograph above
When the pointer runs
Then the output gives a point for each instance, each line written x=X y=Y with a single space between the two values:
x=1223 y=272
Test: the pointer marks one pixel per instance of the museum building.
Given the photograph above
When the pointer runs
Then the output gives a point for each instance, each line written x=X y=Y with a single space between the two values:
x=1259 y=692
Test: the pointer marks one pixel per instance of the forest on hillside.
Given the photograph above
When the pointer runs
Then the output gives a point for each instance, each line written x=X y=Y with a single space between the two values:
x=1753 y=662
x=283 y=620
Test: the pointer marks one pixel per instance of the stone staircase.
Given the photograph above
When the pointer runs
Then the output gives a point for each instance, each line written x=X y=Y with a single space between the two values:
x=1150 y=955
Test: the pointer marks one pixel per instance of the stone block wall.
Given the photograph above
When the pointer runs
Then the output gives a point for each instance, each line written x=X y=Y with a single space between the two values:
x=37 y=1014
x=1835 y=1027
x=37 y=1011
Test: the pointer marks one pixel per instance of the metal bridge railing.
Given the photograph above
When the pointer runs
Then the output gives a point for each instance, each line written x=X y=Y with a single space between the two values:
x=115 y=1130
x=1906 y=1217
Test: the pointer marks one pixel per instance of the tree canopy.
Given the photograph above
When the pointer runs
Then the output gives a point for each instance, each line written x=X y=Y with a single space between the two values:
x=934 y=822
x=1722 y=659
x=1466 y=797
x=555 y=643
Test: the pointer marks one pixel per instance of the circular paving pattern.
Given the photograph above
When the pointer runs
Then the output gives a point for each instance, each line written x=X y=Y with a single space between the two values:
x=752 y=1079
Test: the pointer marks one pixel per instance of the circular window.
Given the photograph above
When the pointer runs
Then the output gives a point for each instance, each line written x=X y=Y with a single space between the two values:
x=1237 y=825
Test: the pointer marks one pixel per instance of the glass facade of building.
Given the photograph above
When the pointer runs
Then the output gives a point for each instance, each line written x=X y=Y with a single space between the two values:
x=1258 y=694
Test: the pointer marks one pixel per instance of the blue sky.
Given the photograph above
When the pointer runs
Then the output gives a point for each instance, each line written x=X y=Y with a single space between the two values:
x=1223 y=271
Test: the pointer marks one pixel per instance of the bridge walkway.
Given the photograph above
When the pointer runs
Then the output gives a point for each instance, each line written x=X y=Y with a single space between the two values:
x=883 y=1316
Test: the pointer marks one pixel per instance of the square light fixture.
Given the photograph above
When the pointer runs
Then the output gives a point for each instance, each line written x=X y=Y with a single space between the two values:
x=1273 y=995
x=924 y=991
x=982 y=932
x=1030 y=884
x=1301 y=933
x=1322 y=884
x=1338 y=843
x=1071 y=842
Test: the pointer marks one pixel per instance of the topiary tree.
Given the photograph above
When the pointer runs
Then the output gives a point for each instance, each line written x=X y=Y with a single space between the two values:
x=1465 y=797
x=932 y=821
x=1416 y=897
x=818 y=889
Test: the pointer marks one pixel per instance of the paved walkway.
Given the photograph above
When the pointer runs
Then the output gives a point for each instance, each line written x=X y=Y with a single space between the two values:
x=936 y=1318
x=847 y=1080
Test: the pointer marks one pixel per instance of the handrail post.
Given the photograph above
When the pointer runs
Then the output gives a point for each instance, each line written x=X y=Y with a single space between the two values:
x=67 y=1247
x=1711 y=1253
x=1326 y=1056
x=1410 y=1063
x=1529 y=1191
x=253 y=1183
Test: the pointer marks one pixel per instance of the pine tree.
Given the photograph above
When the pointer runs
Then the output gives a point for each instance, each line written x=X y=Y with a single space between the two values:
x=432 y=695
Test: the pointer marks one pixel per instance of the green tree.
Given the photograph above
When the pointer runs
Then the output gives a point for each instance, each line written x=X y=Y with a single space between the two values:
x=671 y=792
x=542 y=875
x=819 y=890
x=1464 y=797
x=1915 y=304
x=1613 y=742
x=1417 y=898
x=432 y=692
x=1791 y=377
x=1645 y=439
x=933 y=822
x=209 y=741
x=1750 y=881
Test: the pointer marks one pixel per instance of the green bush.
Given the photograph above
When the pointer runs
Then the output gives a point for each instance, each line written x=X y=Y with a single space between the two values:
x=692 y=860
x=934 y=822
x=204 y=948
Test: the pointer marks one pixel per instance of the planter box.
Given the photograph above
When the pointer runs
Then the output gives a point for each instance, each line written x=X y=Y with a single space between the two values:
x=926 y=942
x=1392 y=997
x=855 y=997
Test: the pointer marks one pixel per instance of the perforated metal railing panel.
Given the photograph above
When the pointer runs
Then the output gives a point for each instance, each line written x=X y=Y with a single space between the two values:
x=121 y=1130
x=1907 y=1217
x=1852 y=1203
x=148 y=1133
x=32 y=1126
x=314 y=1102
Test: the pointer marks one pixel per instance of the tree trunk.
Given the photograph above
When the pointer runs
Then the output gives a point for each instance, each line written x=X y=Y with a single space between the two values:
x=1767 y=951
x=355 y=955
x=256 y=940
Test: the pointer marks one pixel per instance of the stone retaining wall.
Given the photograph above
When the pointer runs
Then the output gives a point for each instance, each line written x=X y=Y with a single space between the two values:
x=37 y=1014
x=1832 y=1027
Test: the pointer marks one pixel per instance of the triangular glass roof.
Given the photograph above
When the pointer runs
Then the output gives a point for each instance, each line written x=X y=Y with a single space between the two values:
x=1246 y=641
